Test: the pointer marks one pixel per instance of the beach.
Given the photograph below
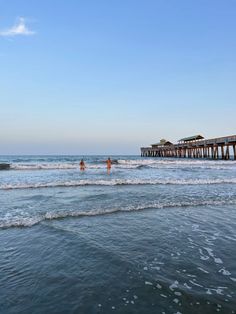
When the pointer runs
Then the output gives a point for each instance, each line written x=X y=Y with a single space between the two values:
x=156 y=235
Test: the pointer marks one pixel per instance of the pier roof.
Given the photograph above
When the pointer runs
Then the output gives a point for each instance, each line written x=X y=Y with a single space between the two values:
x=162 y=142
x=192 y=138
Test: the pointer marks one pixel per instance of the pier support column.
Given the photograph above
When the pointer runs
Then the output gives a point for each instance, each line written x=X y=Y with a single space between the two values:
x=204 y=152
x=227 y=152
x=198 y=153
x=215 y=151
x=234 y=149
x=222 y=152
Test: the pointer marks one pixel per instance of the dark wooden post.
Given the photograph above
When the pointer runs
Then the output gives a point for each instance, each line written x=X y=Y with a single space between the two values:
x=222 y=152
x=234 y=148
x=227 y=152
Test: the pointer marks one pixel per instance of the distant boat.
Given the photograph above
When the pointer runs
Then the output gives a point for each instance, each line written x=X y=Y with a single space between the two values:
x=4 y=166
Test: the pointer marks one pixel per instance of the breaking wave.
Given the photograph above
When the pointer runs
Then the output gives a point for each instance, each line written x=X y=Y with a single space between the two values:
x=116 y=182
x=175 y=163
x=31 y=221
x=130 y=164
x=69 y=166
x=46 y=166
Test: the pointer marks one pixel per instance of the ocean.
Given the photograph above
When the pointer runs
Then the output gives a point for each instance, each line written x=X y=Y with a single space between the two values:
x=155 y=235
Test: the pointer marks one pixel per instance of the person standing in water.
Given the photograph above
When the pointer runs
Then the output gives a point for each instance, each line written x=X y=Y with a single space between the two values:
x=82 y=165
x=108 y=165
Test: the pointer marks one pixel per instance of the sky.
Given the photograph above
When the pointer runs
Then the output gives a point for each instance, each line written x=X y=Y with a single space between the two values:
x=110 y=76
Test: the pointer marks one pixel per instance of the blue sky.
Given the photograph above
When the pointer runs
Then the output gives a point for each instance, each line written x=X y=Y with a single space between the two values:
x=109 y=76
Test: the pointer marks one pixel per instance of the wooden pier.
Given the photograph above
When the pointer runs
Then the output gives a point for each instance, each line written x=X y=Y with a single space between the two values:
x=193 y=147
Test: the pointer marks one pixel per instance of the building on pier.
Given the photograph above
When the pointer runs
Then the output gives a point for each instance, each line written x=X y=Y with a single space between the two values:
x=189 y=139
x=162 y=143
x=193 y=147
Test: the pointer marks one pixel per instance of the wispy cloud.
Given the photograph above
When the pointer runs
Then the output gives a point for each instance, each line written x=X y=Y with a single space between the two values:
x=19 y=29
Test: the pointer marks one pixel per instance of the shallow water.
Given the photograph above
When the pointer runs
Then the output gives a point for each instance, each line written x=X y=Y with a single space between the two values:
x=153 y=236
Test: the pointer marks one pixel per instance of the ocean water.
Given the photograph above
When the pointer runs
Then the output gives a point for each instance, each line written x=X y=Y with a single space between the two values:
x=155 y=235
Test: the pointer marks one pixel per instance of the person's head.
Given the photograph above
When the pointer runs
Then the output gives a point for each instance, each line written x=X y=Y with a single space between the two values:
x=109 y=158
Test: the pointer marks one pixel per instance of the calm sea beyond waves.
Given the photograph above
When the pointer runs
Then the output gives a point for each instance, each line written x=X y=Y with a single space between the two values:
x=154 y=235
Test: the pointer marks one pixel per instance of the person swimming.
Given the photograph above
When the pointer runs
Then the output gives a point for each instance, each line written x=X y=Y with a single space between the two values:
x=82 y=165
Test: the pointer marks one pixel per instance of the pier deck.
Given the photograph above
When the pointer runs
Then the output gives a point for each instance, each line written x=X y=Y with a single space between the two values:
x=215 y=148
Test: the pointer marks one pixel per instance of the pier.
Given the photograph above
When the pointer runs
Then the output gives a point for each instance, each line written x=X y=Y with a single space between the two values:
x=193 y=147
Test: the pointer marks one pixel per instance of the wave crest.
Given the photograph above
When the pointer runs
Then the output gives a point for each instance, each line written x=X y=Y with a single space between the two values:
x=115 y=182
x=129 y=164
x=31 y=221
